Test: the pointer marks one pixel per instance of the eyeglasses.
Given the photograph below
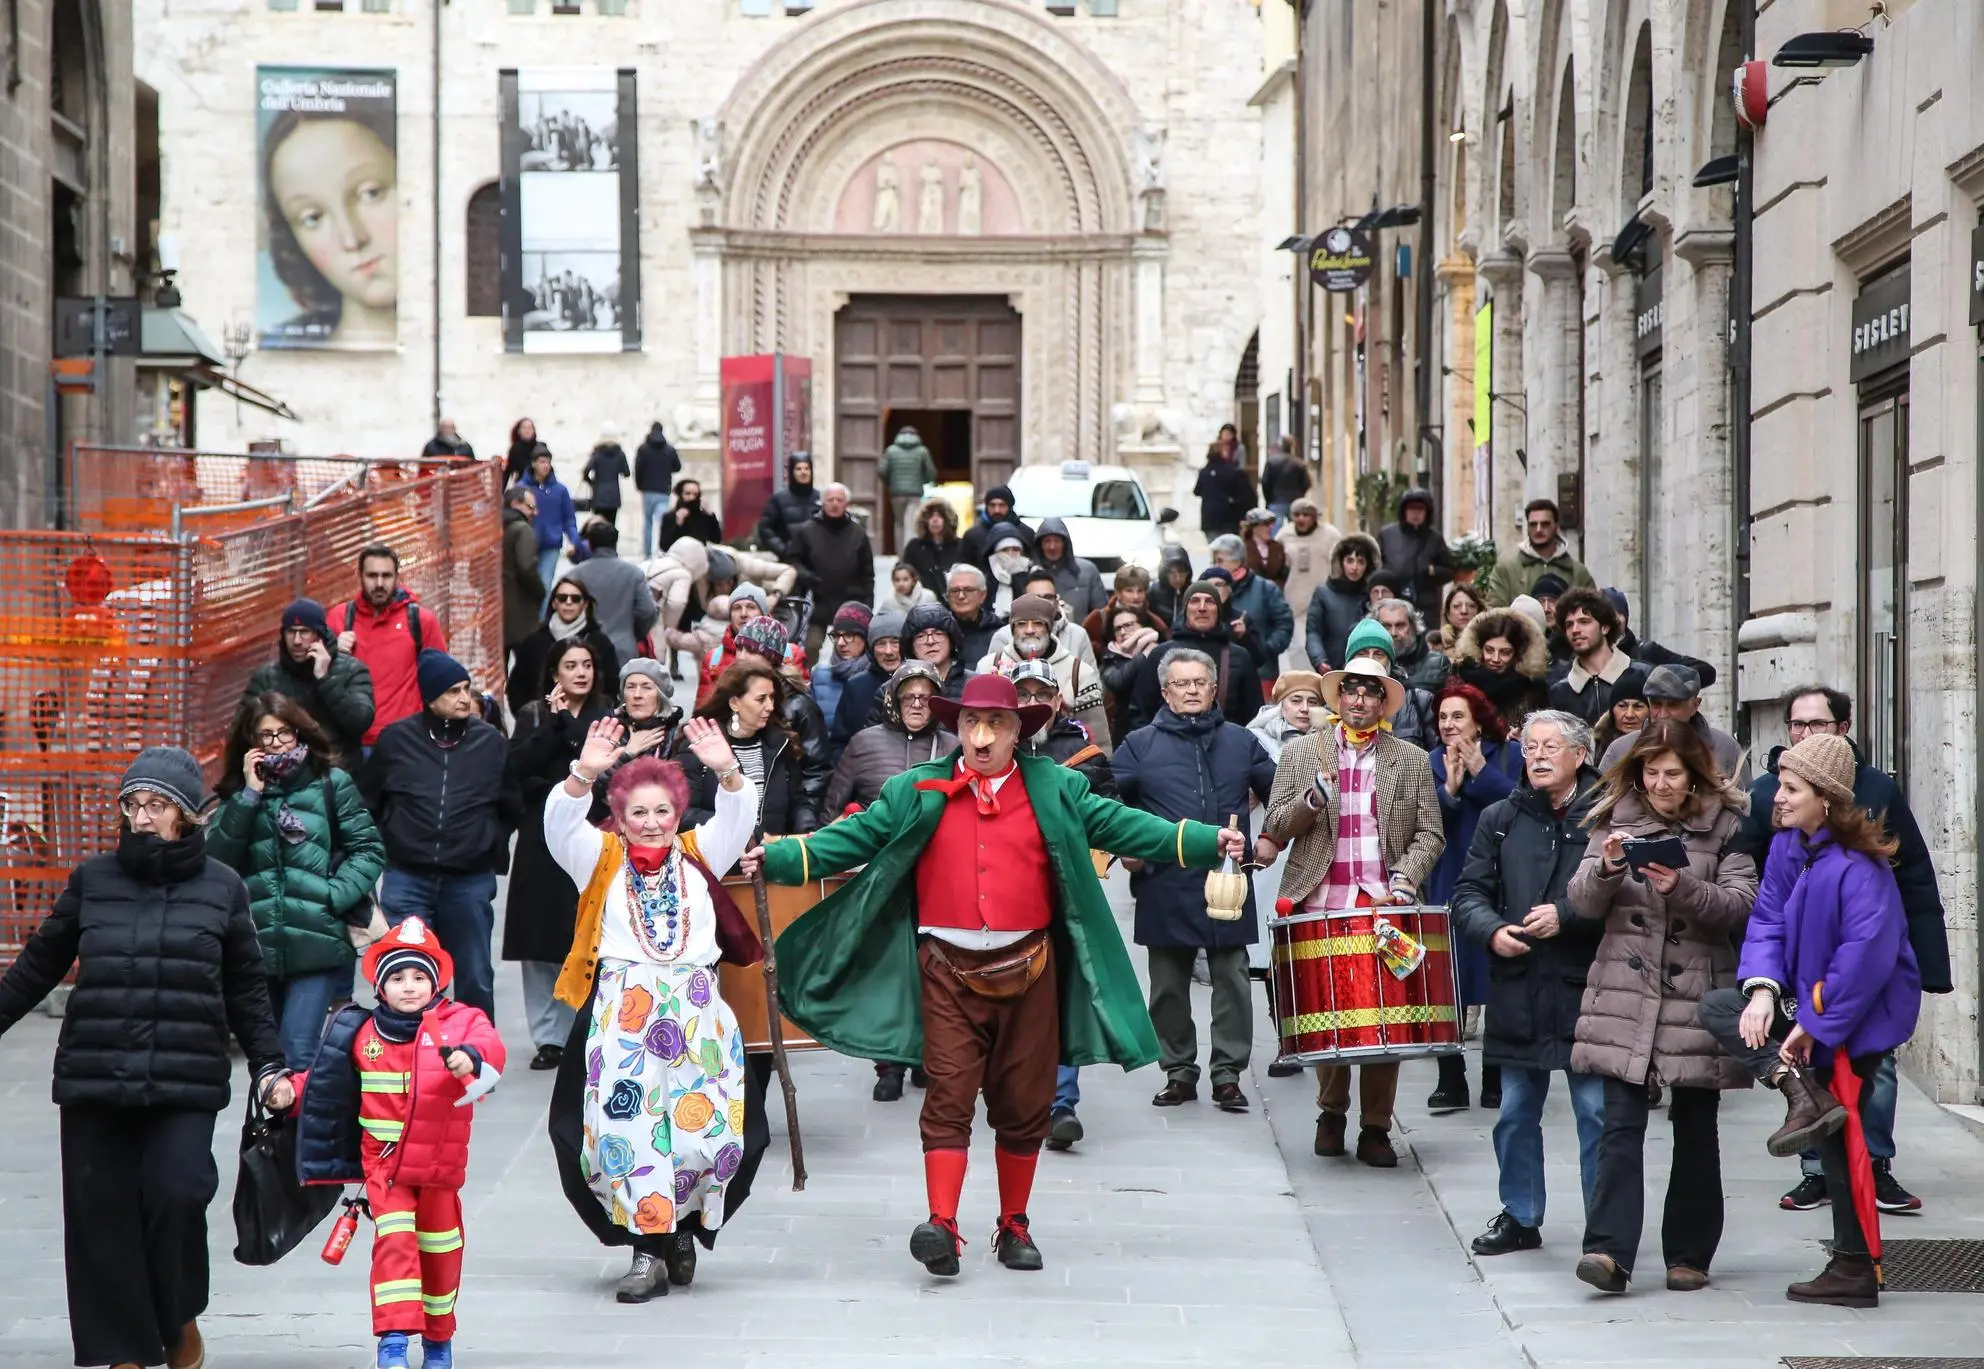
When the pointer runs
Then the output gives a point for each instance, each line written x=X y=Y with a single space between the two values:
x=1189 y=686
x=1809 y=725
x=282 y=736
x=848 y=637
x=933 y=634
x=152 y=808
x=964 y=591
x=568 y=598
x=1543 y=750
x=1371 y=687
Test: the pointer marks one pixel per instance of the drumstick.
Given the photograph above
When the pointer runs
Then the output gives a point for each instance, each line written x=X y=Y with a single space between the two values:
x=776 y=1019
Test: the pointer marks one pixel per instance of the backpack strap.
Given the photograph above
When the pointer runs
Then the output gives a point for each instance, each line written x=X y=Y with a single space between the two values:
x=350 y=614
x=1083 y=756
x=331 y=812
x=1225 y=656
x=413 y=625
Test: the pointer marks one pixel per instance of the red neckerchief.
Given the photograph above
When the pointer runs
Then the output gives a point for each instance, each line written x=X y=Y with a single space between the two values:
x=647 y=860
x=980 y=786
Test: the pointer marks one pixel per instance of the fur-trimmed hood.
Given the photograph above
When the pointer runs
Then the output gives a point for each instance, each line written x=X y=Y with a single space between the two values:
x=1355 y=541
x=1532 y=650
x=937 y=504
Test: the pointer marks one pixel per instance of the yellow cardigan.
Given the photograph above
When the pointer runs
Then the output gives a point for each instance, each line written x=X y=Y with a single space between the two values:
x=582 y=961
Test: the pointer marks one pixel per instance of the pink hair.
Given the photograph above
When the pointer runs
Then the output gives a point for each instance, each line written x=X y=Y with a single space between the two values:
x=640 y=772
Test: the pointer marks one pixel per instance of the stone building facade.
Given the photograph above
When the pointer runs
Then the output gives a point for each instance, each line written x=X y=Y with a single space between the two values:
x=67 y=195
x=1584 y=320
x=1866 y=405
x=803 y=168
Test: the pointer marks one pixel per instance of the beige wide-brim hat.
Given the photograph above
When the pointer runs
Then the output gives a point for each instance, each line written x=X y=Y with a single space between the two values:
x=1370 y=669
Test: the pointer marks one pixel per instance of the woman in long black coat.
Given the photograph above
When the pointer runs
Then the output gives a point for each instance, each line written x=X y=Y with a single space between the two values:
x=168 y=969
x=543 y=902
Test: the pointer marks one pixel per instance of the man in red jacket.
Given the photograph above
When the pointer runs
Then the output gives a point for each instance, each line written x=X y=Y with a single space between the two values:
x=417 y=1061
x=386 y=629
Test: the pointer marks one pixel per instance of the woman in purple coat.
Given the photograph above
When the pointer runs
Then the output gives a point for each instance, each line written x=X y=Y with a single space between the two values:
x=1826 y=969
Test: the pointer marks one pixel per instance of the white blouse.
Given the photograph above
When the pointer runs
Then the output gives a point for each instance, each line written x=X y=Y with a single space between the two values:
x=575 y=845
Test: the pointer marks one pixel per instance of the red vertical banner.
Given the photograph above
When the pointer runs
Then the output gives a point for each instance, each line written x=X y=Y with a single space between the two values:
x=750 y=461
x=796 y=394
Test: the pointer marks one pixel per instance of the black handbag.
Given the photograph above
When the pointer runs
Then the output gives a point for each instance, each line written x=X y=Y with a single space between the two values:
x=273 y=1210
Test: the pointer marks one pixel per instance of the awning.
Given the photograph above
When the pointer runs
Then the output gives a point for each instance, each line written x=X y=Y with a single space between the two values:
x=173 y=341
x=170 y=337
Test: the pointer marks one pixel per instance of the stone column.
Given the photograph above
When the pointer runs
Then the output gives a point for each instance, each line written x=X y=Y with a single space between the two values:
x=1508 y=416
x=1458 y=500
x=1550 y=347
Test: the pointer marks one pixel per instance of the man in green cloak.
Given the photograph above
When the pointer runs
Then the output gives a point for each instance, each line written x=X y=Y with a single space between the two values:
x=977 y=940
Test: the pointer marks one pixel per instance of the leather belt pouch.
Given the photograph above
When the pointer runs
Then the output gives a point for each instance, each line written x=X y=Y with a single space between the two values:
x=1005 y=978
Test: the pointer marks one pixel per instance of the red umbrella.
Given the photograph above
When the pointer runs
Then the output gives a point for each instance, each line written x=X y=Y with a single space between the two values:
x=1859 y=1164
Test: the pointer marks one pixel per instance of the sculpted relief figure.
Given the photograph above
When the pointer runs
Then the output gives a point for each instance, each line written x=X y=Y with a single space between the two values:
x=888 y=197
x=971 y=198
x=930 y=206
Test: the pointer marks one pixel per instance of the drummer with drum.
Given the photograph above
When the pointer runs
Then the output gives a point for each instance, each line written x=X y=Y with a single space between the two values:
x=1357 y=808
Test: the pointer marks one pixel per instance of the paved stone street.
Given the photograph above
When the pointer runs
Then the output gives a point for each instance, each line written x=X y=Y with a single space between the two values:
x=1186 y=1236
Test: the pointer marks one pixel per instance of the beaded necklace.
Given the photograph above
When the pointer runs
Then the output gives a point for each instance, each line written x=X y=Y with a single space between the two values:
x=658 y=900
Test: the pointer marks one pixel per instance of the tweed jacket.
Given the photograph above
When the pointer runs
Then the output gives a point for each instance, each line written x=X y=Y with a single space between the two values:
x=1410 y=834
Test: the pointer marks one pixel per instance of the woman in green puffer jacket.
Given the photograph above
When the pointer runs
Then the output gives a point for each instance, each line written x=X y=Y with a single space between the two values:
x=293 y=826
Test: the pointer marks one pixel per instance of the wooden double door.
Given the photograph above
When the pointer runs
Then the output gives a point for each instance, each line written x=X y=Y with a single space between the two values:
x=947 y=364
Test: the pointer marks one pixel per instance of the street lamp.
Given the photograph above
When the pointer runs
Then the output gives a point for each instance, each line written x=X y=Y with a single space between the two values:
x=1718 y=171
x=1833 y=48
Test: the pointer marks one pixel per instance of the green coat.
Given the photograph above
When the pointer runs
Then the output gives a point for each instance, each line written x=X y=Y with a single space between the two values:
x=848 y=972
x=1516 y=573
x=301 y=909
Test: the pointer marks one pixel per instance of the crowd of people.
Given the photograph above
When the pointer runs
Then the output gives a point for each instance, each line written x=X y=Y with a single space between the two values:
x=1343 y=711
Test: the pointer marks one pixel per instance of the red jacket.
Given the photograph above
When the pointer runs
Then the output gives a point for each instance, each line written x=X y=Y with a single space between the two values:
x=391 y=651
x=408 y=1126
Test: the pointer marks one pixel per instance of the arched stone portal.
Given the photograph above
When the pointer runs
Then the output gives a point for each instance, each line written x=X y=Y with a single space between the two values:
x=1027 y=180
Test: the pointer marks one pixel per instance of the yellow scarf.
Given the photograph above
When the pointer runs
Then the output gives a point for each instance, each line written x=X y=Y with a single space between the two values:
x=1359 y=738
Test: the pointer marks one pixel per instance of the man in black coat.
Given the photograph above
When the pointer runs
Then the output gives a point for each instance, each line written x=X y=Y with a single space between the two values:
x=929 y=634
x=997 y=509
x=1201 y=627
x=1807 y=713
x=788 y=509
x=447 y=801
x=835 y=562
x=1650 y=654
x=1513 y=898
x=655 y=463
x=1224 y=489
x=965 y=596
x=1412 y=548
x=448 y=441
x=1193 y=764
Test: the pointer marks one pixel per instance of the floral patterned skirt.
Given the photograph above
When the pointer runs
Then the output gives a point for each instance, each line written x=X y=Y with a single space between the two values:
x=664 y=1100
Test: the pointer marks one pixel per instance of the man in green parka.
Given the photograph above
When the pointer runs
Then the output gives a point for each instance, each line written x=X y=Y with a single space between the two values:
x=979 y=908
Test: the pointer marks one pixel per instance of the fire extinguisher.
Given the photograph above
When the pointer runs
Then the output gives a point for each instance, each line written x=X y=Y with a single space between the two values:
x=344 y=1229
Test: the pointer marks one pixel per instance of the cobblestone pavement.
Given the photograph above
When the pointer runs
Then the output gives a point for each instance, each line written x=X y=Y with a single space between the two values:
x=1182 y=1236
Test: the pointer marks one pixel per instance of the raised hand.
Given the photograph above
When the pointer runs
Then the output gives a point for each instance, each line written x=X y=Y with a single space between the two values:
x=602 y=747
x=706 y=739
x=251 y=768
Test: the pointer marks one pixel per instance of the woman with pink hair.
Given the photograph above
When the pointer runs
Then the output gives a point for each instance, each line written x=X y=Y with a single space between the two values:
x=656 y=1121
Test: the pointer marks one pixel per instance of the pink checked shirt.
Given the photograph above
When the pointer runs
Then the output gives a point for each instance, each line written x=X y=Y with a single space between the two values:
x=1359 y=865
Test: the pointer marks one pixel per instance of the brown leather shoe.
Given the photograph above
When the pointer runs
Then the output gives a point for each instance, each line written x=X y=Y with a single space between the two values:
x=1330 y=1127
x=1683 y=1279
x=1374 y=1148
x=1602 y=1272
x=1811 y=1113
x=1174 y=1092
x=191 y=1352
x=1848 y=1281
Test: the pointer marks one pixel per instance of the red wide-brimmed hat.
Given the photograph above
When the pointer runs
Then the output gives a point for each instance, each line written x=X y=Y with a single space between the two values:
x=993 y=692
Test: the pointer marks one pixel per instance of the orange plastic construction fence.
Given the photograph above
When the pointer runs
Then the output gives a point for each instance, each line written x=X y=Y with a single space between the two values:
x=139 y=623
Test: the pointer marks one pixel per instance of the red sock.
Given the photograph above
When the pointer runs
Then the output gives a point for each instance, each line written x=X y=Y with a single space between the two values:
x=1015 y=1181
x=943 y=1176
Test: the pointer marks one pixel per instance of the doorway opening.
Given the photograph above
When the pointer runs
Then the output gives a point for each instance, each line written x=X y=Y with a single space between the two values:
x=946 y=432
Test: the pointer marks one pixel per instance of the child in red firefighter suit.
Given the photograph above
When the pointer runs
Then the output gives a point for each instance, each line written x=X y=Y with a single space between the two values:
x=385 y=1104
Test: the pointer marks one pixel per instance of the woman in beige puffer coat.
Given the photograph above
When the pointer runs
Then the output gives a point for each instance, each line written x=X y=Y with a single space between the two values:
x=1671 y=935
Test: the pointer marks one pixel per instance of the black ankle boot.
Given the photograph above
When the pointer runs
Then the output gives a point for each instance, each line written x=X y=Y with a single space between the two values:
x=1450 y=1094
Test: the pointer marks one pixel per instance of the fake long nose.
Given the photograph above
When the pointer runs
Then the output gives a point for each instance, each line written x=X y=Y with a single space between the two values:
x=982 y=734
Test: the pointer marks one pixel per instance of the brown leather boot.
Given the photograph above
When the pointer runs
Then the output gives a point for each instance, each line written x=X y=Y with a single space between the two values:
x=1330 y=1127
x=1810 y=1113
x=1848 y=1281
x=191 y=1352
x=1374 y=1148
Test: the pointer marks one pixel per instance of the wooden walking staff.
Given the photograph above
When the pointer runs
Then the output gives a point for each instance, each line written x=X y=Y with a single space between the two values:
x=777 y=1025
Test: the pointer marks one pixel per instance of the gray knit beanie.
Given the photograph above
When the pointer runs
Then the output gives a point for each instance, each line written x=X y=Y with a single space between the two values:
x=171 y=774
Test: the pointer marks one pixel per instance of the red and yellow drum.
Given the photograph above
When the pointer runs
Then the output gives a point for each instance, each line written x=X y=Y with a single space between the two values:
x=1335 y=1000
